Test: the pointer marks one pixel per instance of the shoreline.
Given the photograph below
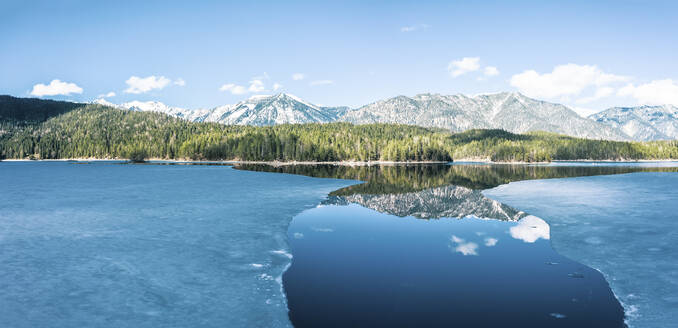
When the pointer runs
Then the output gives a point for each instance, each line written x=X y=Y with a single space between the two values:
x=347 y=163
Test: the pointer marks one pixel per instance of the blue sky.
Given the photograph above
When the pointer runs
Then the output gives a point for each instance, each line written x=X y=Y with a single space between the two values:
x=207 y=53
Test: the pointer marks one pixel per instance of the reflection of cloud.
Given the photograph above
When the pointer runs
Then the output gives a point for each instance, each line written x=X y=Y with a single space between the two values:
x=463 y=247
x=489 y=242
x=298 y=235
x=530 y=228
x=322 y=229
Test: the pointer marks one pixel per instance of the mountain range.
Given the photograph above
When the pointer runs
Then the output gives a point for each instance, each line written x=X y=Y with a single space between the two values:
x=258 y=110
x=510 y=111
x=642 y=123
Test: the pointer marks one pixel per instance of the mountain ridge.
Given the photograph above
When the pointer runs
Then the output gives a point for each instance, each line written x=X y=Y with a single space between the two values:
x=510 y=111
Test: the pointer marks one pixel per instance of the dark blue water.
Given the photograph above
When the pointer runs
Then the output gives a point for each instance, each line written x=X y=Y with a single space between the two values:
x=355 y=267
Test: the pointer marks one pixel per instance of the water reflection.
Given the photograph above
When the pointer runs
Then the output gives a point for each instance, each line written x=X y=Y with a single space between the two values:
x=431 y=191
x=390 y=179
x=378 y=270
x=463 y=247
x=448 y=201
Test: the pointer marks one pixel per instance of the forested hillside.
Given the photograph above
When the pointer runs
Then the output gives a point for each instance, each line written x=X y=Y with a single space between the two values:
x=60 y=130
x=31 y=110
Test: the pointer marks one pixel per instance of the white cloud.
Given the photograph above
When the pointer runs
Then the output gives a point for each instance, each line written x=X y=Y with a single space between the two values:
x=180 y=82
x=463 y=66
x=658 y=92
x=298 y=76
x=602 y=92
x=56 y=87
x=489 y=242
x=491 y=71
x=256 y=86
x=233 y=88
x=141 y=85
x=564 y=80
x=530 y=228
x=107 y=95
x=321 y=82
x=463 y=247
x=413 y=28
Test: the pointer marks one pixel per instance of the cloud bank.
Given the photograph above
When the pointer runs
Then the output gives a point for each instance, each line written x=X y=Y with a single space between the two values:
x=137 y=85
x=657 y=92
x=566 y=80
x=54 y=88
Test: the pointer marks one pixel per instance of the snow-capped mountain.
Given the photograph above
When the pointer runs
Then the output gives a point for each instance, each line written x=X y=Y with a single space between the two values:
x=270 y=110
x=642 y=123
x=156 y=106
x=507 y=110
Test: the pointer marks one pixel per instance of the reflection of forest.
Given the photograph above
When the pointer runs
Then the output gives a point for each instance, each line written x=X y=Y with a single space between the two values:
x=391 y=179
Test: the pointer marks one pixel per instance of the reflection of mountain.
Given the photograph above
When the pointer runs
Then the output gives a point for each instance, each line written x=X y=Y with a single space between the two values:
x=440 y=190
x=448 y=201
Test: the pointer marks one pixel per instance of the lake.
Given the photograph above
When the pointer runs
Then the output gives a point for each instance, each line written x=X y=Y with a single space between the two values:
x=112 y=244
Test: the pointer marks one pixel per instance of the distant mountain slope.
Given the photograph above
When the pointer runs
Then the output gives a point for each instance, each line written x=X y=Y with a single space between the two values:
x=642 y=123
x=513 y=112
x=194 y=115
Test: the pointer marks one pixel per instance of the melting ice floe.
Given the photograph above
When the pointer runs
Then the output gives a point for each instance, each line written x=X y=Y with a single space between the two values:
x=529 y=229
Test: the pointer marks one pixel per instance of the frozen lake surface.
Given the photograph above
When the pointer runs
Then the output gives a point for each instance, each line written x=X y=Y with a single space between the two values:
x=111 y=245
x=625 y=226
